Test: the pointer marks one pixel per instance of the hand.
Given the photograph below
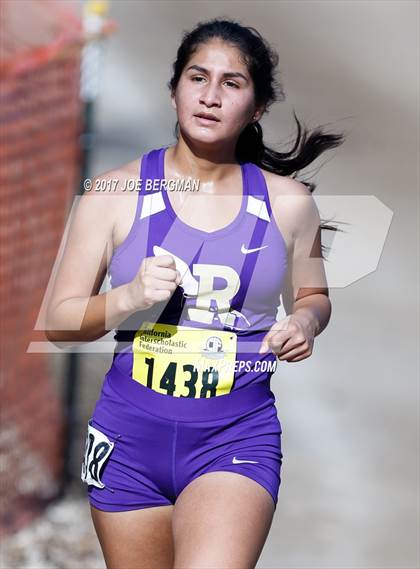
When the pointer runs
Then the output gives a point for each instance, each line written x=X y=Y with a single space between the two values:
x=291 y=339
x=155 y=281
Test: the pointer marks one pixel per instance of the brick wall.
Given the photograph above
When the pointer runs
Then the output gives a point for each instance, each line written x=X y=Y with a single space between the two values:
x=40 y=126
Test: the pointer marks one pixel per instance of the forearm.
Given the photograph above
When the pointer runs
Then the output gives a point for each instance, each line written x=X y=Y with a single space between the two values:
x=87 y=319
x=315 y=310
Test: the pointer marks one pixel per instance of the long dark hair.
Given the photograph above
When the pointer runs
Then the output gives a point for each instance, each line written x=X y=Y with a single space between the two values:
x=261 y=61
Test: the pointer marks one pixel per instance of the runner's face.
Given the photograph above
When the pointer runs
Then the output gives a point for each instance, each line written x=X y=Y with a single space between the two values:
x=204 y=87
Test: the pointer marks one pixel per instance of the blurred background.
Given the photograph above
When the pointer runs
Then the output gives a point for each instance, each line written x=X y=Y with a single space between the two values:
x=83 y=90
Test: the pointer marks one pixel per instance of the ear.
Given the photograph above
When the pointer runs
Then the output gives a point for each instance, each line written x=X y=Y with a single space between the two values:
x=173 y=102
x=258 y=113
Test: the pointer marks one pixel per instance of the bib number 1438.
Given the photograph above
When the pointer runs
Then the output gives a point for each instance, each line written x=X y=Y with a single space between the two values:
x=167 y=382
x=183 y=361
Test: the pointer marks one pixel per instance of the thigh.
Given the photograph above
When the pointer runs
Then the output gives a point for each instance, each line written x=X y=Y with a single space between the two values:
x=136 y=539
x=221 y=519
x=128 y=470
x=247 y=444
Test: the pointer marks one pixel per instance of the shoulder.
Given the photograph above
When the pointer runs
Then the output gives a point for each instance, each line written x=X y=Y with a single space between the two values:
x=114 y=181
x=106 y=186
x=102 y=202
x=291 y=201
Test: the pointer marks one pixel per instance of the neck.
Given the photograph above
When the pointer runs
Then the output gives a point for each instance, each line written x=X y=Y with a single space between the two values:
x=208 y=164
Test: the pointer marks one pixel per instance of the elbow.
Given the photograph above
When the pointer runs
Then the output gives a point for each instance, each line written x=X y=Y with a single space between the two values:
x=50 y=332
x=53 y=331
x=62 y=339
x=55 y=338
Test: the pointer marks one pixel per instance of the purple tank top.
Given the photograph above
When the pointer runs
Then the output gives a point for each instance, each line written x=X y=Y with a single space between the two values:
x=232 y=277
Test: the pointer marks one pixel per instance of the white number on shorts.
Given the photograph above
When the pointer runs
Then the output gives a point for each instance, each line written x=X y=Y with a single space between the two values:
x=97 y=449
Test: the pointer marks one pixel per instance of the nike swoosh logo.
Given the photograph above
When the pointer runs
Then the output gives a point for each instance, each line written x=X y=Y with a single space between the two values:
x=238 y=461
x=245 y=251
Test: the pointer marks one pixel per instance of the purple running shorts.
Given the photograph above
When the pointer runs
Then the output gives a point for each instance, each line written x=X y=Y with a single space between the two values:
x=143 y=447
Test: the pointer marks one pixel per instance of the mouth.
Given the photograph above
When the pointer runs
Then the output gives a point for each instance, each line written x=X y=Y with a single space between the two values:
x=206 y=118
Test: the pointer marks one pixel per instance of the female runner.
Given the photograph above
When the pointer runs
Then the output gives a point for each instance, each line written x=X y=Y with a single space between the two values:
x=183 y=453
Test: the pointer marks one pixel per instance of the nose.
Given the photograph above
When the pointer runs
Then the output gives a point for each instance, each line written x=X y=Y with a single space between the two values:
x=210 y=95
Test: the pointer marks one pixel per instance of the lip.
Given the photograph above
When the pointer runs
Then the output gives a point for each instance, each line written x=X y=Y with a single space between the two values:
x=207 y=118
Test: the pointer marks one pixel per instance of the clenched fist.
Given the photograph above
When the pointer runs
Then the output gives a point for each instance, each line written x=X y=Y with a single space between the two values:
x=155 y=281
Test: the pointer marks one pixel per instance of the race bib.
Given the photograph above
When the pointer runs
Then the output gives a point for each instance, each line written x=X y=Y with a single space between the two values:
x=97 y=449
x=183 y=361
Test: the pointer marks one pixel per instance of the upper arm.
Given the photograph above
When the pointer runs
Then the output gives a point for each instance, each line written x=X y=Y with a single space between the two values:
x=297 y=216
x=308 y=271
x=87 y=248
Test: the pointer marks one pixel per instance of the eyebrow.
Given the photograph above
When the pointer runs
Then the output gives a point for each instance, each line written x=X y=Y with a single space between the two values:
x=227 y=74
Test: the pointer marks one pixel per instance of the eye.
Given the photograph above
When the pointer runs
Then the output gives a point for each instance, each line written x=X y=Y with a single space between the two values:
x=198 y=77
